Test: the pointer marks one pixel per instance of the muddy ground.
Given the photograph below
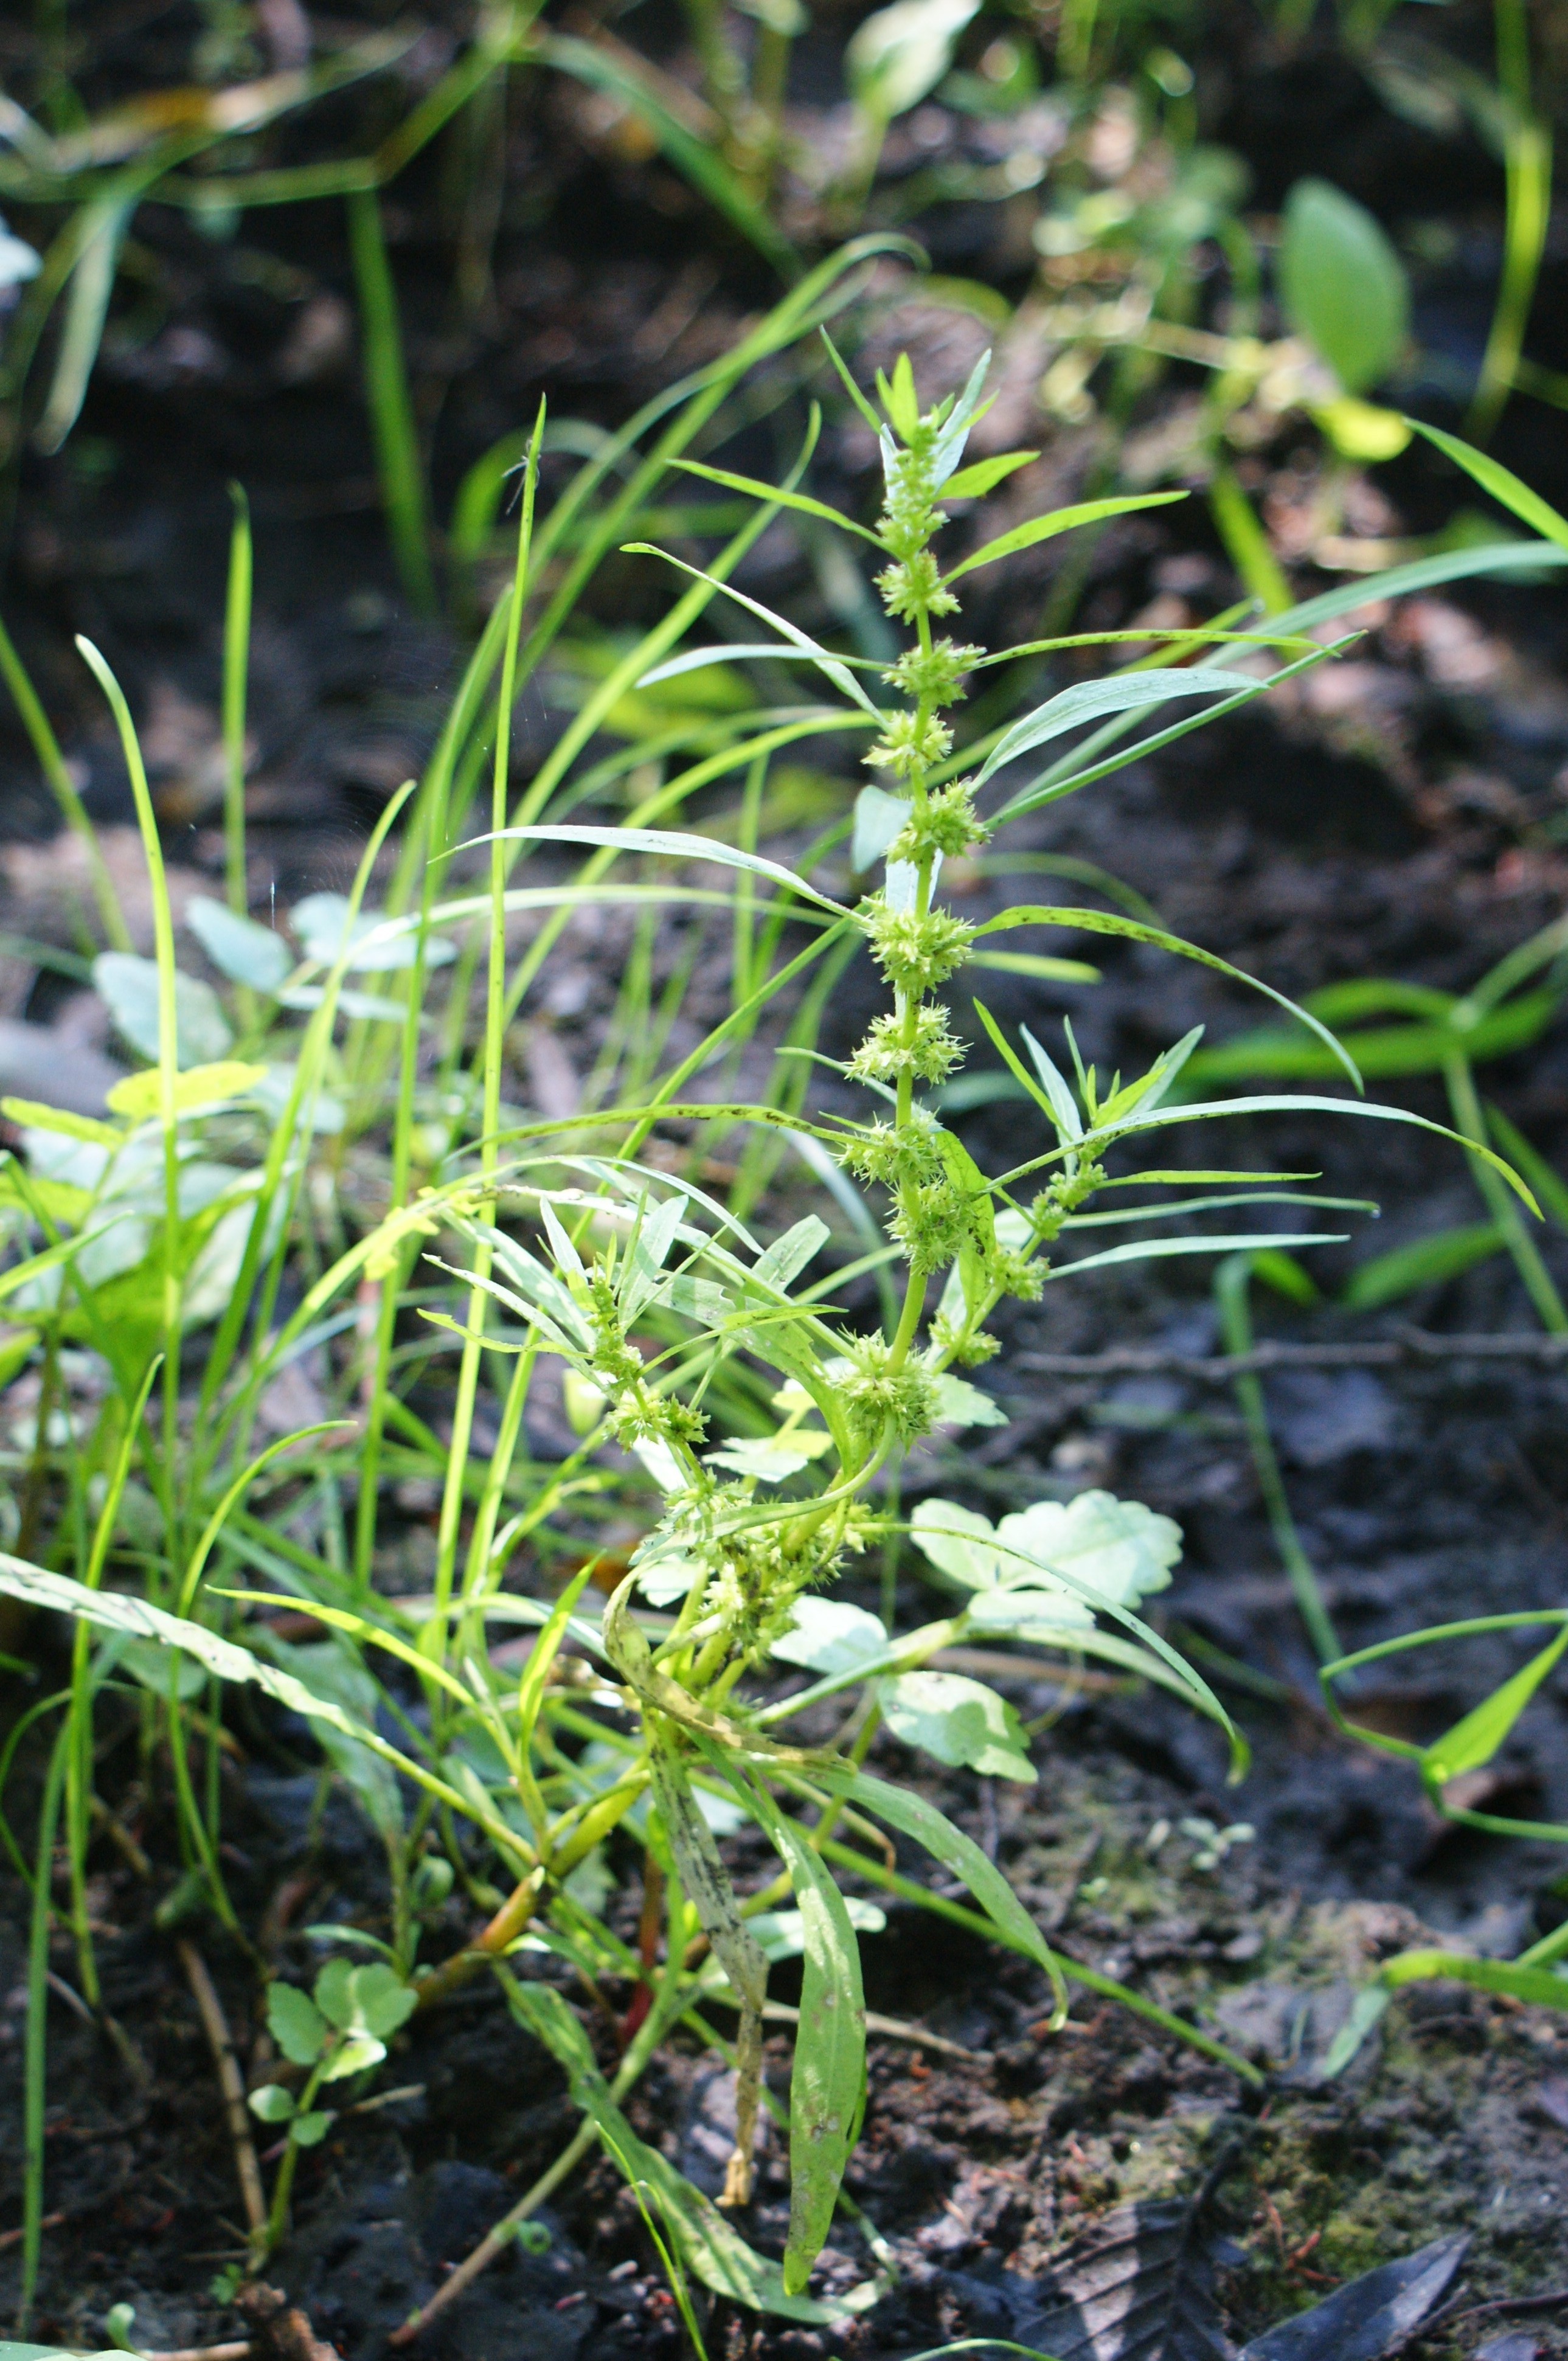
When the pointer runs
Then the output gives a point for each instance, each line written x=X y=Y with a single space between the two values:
x=1408 y=815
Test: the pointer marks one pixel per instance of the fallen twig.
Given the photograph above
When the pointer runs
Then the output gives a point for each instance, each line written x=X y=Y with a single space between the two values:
x=1410 y=1345
x=232 y=2083
x=1453 y=2316
x=497 y=2239
x=15 y=2237
x=239 y=2351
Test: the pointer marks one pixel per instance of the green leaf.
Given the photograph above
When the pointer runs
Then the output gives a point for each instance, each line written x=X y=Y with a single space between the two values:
x=353 y=2055
x=1343 y=286
x=773 y=493
x=1169 y=1249
x=958 y=1721
x=783 y=1261
x=272 y=2103
x=1369 y=2004
x=141 y=1096
x=1503 y=485
x=909 y=1813
x=328 y=925
x=711 y=2247
x=29 y=1114
x=1381 y=1051
x=246 y=953
x=832 y=667
x=896 y=55
x=1426 y=1262
x=829 y=1635
x=960 y=1404
x=161 y=1671
x=1047 y=971
x=1128 y=692
x=370 y=1999
x=878 y=817
x=296 y=2023
x=115 y=1610
x=1045 y=528
x=1477 y=1737
x=972 y=483
x=671 y=846
x=1548 y=1184
x=309 y=2131
x=1211 y=1110
x=828 y=2083
x=103 y=222
x=1108 y=922
x=1539 y=1987
x=128 y=988
x=1502 y=557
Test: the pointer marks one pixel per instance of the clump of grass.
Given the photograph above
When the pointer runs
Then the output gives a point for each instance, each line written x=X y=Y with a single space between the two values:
x=767 y=1426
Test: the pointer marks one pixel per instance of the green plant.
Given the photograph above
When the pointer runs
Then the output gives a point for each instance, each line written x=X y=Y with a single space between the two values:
x=766 y=1429
x=336 y=2032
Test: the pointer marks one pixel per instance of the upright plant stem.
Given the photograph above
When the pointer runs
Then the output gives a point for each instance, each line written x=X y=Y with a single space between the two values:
x=494 y=1055
x=386 y=395
x=1500 y=1200
x=168 y=1069
x=1231 y=1282
x=36 y=2062
x=63 y=787
x=237 y=667
x=1526 y=163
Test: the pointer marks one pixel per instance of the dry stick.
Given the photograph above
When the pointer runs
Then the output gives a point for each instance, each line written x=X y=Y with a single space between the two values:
x=491 y=2246
x=232 y=2083
x=237 y=2351
x=1412 y=1344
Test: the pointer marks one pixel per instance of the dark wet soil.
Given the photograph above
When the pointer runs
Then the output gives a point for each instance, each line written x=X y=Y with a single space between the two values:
x=1407 y=815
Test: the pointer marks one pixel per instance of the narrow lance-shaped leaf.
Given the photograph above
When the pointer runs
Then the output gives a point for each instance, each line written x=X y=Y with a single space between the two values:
x=1475 y=1739
x=113 y=1610
x=747 y=652
x=1109 y=922
x=839 y=674
x=710 y=2246
x=1089 y=700
x=913 y=1816
x=1310 y=1104
x=828 y=2083
x=1045 y=528
x=1503 y=485
x=706 y=1883
x=671 y=846
x=800 y=501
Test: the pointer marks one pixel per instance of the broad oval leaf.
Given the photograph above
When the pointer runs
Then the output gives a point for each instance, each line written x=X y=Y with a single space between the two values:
x=1342 y=285
x=128 y=988
x=328 y=927
x=959 y=1721
x=238 y=948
